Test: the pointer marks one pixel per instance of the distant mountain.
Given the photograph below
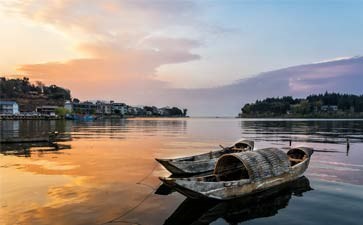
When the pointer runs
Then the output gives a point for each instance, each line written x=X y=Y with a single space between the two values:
x=344 y=76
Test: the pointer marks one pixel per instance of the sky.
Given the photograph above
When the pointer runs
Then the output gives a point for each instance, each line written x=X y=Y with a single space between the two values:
x=158 y=52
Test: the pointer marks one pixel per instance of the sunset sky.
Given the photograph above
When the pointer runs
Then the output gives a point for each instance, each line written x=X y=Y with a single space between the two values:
x=138 y=51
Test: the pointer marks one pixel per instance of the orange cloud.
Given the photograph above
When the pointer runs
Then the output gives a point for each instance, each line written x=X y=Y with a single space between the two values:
x=122 y=42
x=114 y=69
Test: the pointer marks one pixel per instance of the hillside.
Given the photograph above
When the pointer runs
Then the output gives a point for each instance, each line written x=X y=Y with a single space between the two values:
x=30 y=95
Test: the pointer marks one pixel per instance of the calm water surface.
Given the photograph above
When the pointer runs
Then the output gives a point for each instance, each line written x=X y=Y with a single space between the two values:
x=104 y=172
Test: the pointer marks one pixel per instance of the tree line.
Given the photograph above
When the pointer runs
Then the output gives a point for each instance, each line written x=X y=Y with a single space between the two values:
x=320 y=104
x=22 y=88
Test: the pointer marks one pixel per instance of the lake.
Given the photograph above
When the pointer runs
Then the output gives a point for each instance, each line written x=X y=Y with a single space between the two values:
x=104 y=172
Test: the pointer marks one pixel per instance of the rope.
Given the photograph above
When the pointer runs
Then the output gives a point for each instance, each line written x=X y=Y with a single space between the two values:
x=129 y=211
x=140 y=182
x=148 y=175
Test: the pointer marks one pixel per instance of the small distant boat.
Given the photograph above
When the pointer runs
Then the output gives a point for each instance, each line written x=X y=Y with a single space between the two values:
x=204 y=162
x=80 y=117
x=240 y=174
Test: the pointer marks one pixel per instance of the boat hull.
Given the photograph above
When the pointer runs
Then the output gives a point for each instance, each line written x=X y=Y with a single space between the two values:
x=202 y=163
x=231 y=189
x=225 y=190
x=188 y=167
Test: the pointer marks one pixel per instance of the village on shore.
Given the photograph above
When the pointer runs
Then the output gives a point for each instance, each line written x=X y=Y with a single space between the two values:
x=22 y=100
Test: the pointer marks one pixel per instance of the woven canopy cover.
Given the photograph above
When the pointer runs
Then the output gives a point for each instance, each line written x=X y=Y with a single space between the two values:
x=260 y=164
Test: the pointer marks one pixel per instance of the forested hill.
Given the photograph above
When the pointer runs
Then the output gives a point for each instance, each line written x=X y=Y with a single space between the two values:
x=322 y=105
x=29 y=95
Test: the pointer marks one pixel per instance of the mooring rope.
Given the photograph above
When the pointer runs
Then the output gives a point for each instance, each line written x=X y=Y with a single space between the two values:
x=116 y=220
x=147 y=175
x=140 y=182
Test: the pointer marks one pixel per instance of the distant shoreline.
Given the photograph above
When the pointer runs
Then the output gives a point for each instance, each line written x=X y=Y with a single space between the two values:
x=22 y=117
x=323 y=116
x=198 y=117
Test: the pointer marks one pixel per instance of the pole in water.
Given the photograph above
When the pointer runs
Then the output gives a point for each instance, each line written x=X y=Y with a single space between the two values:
x=347 y=142
x=290 y=142
x=348 y=145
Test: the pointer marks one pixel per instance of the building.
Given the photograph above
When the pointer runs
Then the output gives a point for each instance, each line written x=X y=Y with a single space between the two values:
x=329 y=108
x=46 y=110
x=103 y=107
x=135 y=111
x=84 y=107
x=119 y=108
x=100 y=107
x=69 y=106
x=9 y=107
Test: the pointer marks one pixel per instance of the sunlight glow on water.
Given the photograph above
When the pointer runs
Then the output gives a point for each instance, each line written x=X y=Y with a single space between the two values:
x=103 y=169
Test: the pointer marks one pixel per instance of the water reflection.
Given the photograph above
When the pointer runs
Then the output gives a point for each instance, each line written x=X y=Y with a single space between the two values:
x=26 y=128
x=265 y=204
x=318 y=131
x=334 y=158
x=130 y=128
x=27 y=149
x=97 y=176
x=24 y=137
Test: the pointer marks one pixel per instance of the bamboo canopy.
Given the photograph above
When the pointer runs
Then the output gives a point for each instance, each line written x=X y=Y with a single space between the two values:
x=255 y=165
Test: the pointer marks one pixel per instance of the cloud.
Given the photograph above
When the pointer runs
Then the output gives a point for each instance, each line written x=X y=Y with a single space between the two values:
x=343 y=76
x=123 y=44
x=109 y=19
x=114 y=69
x=340 y=76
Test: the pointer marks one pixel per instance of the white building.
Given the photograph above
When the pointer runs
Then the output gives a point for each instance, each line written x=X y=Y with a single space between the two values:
x=120 y=108
x=104 y=107
x=329 y=108
x=9 y=107
x=69 y=106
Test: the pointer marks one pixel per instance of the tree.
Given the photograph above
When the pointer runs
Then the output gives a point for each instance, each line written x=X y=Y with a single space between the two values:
x=76 y=100
x=175 y=112
x=62 y=111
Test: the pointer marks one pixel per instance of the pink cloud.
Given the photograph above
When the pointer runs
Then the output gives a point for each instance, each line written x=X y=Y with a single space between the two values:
x=118 y=39
x=126 y=71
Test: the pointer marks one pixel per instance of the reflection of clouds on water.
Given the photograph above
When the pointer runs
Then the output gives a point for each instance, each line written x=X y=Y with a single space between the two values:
x=333 y=160
x=130 y=128
x=327 y=166
x=33 y=189
x=340 y=164
x=316 y=131
x=96 y=179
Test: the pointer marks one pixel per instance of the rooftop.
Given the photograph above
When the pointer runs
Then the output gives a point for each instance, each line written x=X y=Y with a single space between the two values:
x=7 y=102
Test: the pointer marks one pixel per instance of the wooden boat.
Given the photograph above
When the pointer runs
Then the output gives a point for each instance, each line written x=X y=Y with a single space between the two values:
x=245 y=173
x=51 y=137
x=7 y=140
x=204 y=162
x=26 y=149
